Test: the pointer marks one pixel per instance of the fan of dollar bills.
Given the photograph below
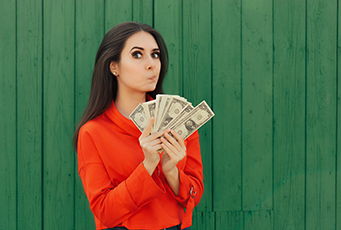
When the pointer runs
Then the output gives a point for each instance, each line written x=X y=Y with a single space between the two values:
x=174 y=112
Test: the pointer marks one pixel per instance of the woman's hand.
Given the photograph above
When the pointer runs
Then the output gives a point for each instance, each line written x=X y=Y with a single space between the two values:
x=175 y=150
x=150 y=144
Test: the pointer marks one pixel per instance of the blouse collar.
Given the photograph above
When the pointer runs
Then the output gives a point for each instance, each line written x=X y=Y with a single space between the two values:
x=123 y=122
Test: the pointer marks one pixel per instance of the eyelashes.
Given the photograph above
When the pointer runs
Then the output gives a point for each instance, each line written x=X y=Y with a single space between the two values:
x=135 y=54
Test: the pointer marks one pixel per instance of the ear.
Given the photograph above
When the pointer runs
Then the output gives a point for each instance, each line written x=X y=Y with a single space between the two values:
x=114 y=68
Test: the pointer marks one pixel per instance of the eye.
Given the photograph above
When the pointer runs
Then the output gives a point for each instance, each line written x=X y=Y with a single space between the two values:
x=157 y=54
x=135 y=53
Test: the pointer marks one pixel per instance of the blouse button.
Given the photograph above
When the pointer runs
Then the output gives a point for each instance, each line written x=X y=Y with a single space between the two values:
x=192 y=192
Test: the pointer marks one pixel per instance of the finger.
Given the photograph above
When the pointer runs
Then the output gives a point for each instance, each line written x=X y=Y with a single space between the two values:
x=147 y=130
x=178 y=138
x=153 y=136
x=156 y=147
x=173 y=141
x=169 y=145
x=156 y=141
x=169 y=152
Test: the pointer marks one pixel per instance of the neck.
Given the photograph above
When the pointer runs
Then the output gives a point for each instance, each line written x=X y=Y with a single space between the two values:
x=126 y=101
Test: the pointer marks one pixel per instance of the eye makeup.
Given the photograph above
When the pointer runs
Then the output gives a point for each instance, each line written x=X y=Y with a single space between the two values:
x=135 y=53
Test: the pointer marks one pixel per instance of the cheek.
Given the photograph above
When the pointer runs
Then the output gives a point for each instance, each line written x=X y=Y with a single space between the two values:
x=131 y=73
x=129 y=67
x=159 y=66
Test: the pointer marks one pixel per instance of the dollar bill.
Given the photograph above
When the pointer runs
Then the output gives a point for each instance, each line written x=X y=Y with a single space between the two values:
x=188 y=108
x=163 y=107
x=171 y=111
x=162 y=100
x=157 y=109
x=171 y=106
x=194 y=120
x=174 y=109
x=149 y=108
x=138 y=117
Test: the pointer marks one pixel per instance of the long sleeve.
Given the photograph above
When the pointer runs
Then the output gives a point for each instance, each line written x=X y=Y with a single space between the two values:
x=112 y=203
x=191 y=186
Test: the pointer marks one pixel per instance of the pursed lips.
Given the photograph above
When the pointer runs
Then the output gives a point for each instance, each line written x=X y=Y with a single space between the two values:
x=152 y=77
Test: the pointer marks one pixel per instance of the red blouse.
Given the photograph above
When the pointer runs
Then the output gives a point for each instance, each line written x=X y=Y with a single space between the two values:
x=120 y=190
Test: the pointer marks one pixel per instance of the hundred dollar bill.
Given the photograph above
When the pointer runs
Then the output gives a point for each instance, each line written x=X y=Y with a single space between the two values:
x=194 y=120
x=174 y=109
x=138 y=117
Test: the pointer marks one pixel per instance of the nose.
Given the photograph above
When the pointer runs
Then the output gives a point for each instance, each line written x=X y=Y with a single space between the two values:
x=150 y=63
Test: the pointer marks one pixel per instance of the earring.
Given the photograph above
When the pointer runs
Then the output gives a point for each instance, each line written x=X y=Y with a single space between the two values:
x=115 y=74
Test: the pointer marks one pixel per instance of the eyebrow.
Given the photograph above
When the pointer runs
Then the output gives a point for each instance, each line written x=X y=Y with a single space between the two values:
x=143 y=49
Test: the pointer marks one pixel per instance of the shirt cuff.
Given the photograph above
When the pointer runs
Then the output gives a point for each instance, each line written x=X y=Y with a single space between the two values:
x=186 y=189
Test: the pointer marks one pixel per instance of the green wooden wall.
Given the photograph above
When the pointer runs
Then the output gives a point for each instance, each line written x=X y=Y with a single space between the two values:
x=268 y=68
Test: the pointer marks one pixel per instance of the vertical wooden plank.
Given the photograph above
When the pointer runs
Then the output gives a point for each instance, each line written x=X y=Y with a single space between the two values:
x=338 y=134
x=29 y=105
x=197 y=78
x=226 y=64
x=58 y=114
x=262 y=220
x=257 y=104
x=89 y=34
x=321 y=111
x=8 y=198
x=170 y=28
x=203 y=220
x=117 y=11
x=289 y=114
x=229 y=220
x=143 y=11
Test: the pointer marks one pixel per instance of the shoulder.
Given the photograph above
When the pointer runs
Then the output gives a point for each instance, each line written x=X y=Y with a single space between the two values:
x=92 y=127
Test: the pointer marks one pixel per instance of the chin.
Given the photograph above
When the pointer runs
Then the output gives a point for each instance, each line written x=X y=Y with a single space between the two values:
x=149 y=89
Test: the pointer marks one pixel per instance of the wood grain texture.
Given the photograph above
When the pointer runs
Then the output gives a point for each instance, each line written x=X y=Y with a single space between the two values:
x=289 y=115
x=197 y=78
x=269 y=69
x=260 y=219
x=143 y=11
x=29 y=116
x=338 y=121
x=117 y=11
x=89 y=29
x=257 y=105
x=170 y=28
x=232 y=220
x=8 y=134
x=321 y=114
x=226 y=91
x=58 y=114
x=203 y=220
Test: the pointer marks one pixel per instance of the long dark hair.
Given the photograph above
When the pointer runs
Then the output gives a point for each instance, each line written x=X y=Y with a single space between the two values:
x=104 y=84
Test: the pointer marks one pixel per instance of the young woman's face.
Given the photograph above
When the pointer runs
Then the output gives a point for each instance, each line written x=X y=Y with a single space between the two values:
x=139 y=67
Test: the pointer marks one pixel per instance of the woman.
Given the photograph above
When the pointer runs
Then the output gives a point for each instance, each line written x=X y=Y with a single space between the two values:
x=128 y=183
